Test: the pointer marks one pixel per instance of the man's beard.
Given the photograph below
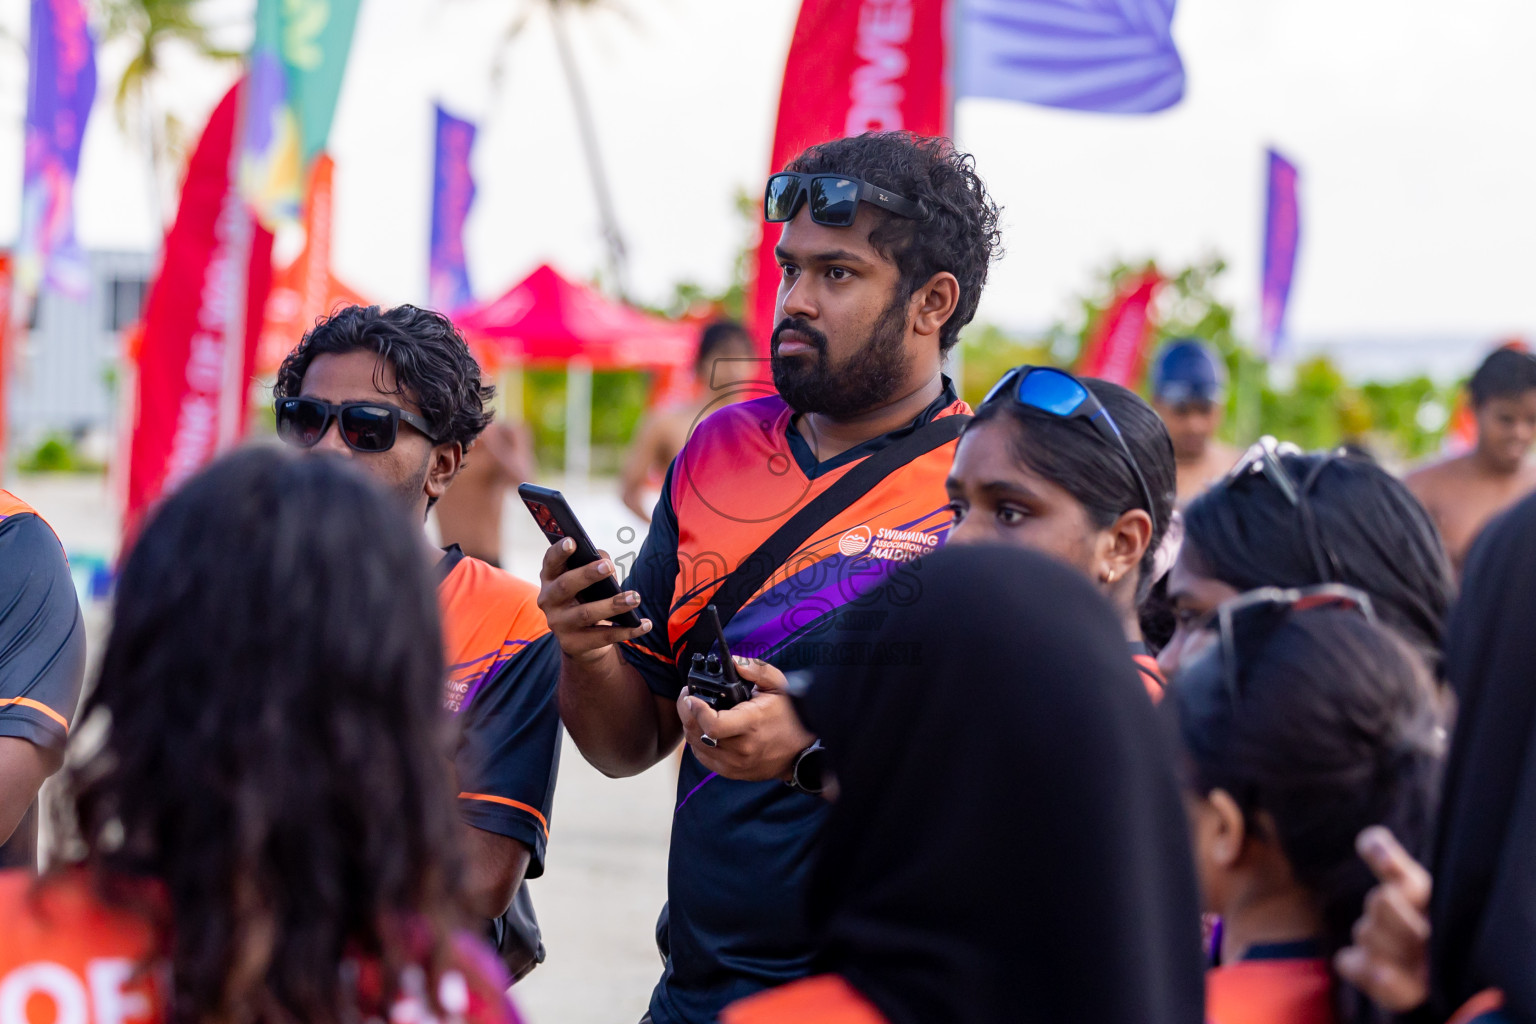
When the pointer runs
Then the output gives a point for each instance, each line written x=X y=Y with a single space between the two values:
x=866 y=380
x=412 y=487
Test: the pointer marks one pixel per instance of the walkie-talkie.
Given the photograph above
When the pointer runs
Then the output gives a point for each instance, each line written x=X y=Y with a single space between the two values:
x=713 y=678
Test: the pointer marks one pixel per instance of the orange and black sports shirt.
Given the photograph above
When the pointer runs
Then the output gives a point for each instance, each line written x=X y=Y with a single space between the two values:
x=42 y=647
x=741 y=851
x=502 y=669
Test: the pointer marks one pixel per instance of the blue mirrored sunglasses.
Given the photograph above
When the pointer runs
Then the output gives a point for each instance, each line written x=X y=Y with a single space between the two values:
x=1061 y=394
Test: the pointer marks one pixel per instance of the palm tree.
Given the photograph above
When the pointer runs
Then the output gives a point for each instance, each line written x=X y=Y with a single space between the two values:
x=148 y=25
x=618 y=259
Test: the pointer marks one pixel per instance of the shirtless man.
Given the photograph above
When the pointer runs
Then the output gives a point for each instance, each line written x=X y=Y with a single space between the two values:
x=724 y=360
x=1464 y=492
x=1188 y=389
x=469 y=515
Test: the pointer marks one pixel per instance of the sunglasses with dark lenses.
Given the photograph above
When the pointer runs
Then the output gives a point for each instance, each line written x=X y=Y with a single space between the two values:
x=1263 y=460
x=1246 y=622
x=1058 y=393
x=365 y=426
x=834 y=199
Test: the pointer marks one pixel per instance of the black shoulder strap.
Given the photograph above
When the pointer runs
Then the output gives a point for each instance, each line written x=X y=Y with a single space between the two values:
x=754 y=570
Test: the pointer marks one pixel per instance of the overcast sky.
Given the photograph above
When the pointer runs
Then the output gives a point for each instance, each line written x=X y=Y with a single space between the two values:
x=1413 y=123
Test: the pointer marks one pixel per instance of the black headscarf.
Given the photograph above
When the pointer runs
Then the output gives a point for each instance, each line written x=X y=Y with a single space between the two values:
x=1483 y=910
x=1009 y=843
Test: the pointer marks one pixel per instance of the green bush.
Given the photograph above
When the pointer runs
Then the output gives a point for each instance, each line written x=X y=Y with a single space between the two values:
x=58 y=453
x=618 y=401
x=1316 y=408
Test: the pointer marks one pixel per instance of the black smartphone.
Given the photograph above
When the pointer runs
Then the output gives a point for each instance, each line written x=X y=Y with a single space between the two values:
x=557 y=522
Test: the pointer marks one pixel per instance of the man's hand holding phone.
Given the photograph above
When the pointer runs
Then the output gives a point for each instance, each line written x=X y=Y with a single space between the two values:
x=583 y=630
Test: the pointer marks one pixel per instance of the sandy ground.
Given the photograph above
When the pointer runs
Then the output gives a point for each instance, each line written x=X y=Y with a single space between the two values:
x=606 y=877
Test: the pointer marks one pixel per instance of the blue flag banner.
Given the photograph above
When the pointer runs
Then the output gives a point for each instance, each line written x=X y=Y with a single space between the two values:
x=60 y=90
x=1106 y=56
x=453 y=190
x=1282 y=236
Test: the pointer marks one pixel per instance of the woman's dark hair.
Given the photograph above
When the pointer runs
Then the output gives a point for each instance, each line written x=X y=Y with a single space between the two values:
x=1073 y=456
x=432 y=364
x=1247 y=534
x=958 y=230
x=273 y=751
x=1331 y=729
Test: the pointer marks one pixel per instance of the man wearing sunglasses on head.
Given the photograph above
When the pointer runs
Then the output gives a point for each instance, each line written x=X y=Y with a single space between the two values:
x=398 y=392
x=786 y=514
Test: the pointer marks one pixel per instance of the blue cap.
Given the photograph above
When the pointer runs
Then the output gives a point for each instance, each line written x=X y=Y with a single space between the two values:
x=1187 y=371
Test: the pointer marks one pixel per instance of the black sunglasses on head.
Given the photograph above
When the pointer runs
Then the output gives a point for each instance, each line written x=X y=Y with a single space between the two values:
x=834 y=199
x=1263 y=460
x=1246 y=622
x=365 y=426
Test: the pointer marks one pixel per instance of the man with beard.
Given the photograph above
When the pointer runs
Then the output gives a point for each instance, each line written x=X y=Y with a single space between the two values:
x=787 y=513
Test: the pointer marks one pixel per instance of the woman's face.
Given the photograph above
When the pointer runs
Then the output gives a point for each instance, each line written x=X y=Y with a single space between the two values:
x=1193 y=597
x=996 y=500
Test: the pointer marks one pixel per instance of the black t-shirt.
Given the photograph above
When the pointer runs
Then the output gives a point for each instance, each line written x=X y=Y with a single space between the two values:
x=42 y=648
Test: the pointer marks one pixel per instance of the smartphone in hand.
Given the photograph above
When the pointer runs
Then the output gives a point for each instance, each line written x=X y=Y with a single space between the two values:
x=557 y=521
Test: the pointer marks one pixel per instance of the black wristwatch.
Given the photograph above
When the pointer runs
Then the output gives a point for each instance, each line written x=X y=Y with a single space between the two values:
x=809 y=774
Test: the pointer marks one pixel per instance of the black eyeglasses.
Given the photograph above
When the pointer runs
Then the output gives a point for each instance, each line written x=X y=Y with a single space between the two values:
x=1057 y=392
x=1244 y=623
x=834 y=199
x=365 y=426
x=1263 y=459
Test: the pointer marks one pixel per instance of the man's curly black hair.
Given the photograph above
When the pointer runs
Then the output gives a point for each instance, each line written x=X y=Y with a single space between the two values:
x=432 y=364
x=958 y=230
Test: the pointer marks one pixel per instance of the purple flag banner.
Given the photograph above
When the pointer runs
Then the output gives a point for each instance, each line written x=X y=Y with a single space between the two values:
x=1282 y=234
x=1107 y=56
x=60 y=90
x=453 y=190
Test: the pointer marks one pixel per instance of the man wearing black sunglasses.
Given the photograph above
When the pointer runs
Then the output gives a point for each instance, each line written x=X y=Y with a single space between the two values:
x=785 y=513
x=399 y=393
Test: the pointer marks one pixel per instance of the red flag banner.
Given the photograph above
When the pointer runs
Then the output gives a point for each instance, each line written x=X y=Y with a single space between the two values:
x=1117 y=345
x=197 y=349
x=854 y=66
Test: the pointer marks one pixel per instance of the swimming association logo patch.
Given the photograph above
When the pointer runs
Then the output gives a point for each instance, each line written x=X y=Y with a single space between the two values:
x=855 y=541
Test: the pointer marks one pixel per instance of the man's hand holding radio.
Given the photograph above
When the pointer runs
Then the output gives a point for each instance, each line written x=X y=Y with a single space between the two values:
x=755 y=742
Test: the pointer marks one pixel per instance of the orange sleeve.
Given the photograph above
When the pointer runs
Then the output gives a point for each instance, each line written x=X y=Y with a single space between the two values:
x=826 y=999
x=1486 y=1001
x=1151 y=676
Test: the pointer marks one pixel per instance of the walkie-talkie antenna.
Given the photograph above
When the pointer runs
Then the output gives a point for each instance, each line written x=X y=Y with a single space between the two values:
x=727 y=666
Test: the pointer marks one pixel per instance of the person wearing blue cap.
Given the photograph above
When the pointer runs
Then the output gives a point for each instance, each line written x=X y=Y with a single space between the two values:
x=1188 y=392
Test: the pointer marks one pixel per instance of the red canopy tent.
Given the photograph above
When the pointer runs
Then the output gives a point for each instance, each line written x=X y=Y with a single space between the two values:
x=547 y=318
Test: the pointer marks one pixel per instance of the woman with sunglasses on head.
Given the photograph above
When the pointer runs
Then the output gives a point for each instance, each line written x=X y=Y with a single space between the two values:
x=267 y=829
x=1282 y=518
x=1303 y=722
x=1080 y=469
